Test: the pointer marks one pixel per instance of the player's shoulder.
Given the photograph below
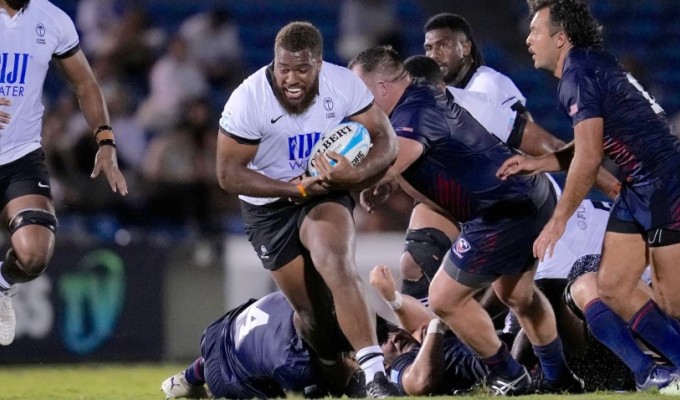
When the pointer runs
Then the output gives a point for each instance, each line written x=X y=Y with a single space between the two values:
x=494 y=84
x=44 y=9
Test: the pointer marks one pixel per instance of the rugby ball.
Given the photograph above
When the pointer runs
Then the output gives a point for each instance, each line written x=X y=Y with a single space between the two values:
x=350 y=139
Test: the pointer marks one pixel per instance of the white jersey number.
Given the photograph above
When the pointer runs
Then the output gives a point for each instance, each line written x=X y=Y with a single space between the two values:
x=249 y=320
x=655 y=106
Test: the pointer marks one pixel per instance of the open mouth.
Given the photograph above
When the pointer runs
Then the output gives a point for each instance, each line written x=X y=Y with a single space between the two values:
x=294 y=93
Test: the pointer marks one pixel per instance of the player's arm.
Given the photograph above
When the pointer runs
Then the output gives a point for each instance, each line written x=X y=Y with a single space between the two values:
x=234 y=176
x=424 y=376
x=383 y=147
x=411 y=313
x=93 y=106
x=584 y=166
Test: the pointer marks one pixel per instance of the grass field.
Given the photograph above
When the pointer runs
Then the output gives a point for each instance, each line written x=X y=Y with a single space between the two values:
x=142 y=382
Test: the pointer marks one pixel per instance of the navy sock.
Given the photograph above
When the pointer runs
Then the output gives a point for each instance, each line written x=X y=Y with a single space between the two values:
x=612 y=331
x=656 y=329
x=553 y=363
x=502 y=363
x=194 y=374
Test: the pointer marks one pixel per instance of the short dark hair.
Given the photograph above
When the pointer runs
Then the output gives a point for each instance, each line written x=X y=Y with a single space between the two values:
x=299 y=36
x=574 y=17
x=456 y=23
x=424 y=67
x=383 y=59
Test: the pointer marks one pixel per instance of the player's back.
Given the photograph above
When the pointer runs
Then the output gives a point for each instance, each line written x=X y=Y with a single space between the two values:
x=262 y=350
x=458 y=168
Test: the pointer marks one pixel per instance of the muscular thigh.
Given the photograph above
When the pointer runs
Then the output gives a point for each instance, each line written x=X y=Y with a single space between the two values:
x=327 y=228
x=624 y=257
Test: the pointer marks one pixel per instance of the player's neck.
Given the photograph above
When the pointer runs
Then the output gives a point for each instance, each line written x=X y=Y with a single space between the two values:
x=564 y=51
x=12 y=12
x=462 y=73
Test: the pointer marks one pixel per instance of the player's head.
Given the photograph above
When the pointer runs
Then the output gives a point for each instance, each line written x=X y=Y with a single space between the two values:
x=449 y=41
x=17 y=4
x=382 y=70
x=394 y=341
x=297 y=63
x=426 y=68
x=558 y=25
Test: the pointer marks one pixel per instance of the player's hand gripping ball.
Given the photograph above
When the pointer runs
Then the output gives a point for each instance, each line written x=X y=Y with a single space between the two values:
x=350 y=139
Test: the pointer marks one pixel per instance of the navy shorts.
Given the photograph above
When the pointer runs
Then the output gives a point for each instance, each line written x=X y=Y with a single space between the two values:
x=27 y=175
x=274 y=229
x=489 y=247
x=651 y=206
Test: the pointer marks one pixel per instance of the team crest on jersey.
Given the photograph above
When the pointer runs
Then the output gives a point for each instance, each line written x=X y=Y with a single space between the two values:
x=328 y=105
x=40 y=30
x=461 y=247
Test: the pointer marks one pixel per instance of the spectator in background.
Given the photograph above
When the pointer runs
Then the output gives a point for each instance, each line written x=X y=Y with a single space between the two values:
x=96 y=19
x=180 y=165
x=27 y=205
x=367 y=23
x=213 y=41
x=175 y=78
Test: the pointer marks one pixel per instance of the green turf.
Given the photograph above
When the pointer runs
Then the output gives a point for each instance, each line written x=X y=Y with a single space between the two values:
x=142 y=382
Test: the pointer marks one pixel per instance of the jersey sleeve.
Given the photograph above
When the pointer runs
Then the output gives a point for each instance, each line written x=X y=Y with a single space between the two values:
x=354 y=92
x=407 y=123
x=240 y=116
x=68 y=40
x=399 y=366
x=579 y=95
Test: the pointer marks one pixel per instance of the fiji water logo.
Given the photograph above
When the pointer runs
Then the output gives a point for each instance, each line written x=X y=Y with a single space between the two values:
x=300 y=148
x=13 y=68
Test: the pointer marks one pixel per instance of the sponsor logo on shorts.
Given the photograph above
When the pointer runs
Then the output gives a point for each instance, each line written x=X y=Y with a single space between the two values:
x=462 y=246
x=263 y=253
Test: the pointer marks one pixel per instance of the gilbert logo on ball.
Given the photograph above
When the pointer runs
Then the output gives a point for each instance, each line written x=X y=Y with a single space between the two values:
x=350 y=139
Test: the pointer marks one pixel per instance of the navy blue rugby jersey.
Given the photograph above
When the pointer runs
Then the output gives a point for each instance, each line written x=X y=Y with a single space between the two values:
x=260 y=347
x=457 y=169
x=637 y=135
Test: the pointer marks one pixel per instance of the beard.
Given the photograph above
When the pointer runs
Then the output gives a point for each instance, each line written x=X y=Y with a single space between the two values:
x=301 y=106
x=17 y=4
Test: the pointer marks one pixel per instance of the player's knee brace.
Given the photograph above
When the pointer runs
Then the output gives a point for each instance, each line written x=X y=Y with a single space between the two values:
x=427 y=247
x=569 y=301
x=32 y=216
x=418 y=289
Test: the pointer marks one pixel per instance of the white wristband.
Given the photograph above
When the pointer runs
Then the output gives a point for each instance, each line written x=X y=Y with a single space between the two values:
x=397 y=302
x=436 y=326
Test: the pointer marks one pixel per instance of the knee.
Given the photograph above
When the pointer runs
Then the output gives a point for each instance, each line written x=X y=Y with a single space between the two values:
x=584 y=290
x=607 y=290
x=409 y=269
x=32 y=261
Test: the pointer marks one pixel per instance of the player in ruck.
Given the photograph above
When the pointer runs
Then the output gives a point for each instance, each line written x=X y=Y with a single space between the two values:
x=447 y=159
x=267 y=129
x=254 y=351
x=33 y=34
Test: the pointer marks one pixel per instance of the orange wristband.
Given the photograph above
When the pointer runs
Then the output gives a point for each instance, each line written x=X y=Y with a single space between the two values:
x=615 y=192
x=301 y=189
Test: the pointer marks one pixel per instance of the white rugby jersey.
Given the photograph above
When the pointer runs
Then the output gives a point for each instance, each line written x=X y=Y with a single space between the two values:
x=498 y=87
x=27 y=43
x=497 y=118
x=253 y=114
x=583 y=236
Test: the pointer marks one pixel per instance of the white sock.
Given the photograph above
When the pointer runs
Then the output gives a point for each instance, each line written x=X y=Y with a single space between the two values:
x=371 y=361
